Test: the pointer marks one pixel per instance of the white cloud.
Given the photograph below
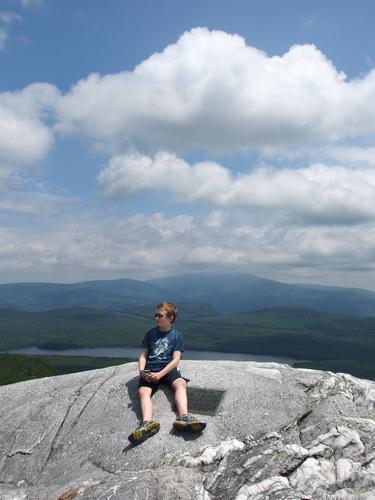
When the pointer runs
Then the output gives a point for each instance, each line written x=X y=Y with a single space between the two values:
x=308 y=23
x=86 y=246
x=10 y=180
x=30 y=3
x=24 y=135
x=368 y=60
x=6 y=20
x=318 y=193
x=35 y=203
x=9 y=17
x=353 y=155
x=21 y=195
x=210 y=90
x=34 y=101
x=22 y=140
x=341 y=152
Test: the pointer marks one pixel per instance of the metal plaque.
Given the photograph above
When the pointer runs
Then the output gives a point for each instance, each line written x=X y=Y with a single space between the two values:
x=204 y=401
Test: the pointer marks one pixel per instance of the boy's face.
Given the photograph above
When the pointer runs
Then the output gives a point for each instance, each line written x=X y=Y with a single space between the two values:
x=162 y=319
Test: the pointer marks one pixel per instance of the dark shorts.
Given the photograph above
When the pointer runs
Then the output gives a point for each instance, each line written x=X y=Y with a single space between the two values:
x=167 y=380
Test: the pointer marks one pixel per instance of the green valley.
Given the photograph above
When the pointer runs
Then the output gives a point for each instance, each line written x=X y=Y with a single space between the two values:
x=318 y=339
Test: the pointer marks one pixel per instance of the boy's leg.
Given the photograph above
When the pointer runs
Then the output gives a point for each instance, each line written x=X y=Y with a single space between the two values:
x=147 y=427
x=180 y=396
x=144 y=394
x=185 y=421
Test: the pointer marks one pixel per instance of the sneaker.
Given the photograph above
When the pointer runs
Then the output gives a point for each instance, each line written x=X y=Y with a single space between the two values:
x=144 y=430
x=189 y=423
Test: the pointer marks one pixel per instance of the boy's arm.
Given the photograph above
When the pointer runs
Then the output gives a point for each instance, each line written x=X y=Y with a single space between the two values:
x=142 y=359
x=154 y=377
x=142 y=363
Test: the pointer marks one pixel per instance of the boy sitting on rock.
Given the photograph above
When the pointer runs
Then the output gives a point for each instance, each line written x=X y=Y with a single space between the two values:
x=158 y=364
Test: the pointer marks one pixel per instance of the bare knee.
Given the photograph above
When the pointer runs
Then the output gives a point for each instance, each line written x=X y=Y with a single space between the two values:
x=179 y=384
x=144 y=392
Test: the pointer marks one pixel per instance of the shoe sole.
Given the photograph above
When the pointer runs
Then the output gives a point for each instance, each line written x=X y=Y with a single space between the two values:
x=140 y=435
x=189 y=427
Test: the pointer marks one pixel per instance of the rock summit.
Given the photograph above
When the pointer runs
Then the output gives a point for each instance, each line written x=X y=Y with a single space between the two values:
x=280 y=433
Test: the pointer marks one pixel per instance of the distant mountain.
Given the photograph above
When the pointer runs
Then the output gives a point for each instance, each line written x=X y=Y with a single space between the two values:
x=226 y=292
x=107 y=294
x=244 y=292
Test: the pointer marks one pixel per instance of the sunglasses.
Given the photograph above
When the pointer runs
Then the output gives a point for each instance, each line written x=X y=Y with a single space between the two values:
x=160 y=315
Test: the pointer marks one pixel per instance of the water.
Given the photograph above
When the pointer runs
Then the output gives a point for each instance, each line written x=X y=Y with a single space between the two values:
x=125 y=352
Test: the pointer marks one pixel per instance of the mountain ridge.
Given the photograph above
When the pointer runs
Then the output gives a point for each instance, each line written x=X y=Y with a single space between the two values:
x=229 y=292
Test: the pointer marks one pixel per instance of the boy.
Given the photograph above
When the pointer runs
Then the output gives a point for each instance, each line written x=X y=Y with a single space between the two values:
x=158 y=364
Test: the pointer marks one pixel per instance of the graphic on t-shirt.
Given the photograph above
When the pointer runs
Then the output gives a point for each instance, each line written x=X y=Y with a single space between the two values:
x=160 y=347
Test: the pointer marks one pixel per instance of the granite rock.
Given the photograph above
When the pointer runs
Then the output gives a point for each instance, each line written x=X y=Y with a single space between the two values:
x=280 y=433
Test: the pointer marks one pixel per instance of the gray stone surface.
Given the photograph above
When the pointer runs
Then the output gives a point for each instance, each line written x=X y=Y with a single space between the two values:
x=281 y=433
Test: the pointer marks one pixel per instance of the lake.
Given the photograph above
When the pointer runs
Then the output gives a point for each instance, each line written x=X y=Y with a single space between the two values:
x=124 y=352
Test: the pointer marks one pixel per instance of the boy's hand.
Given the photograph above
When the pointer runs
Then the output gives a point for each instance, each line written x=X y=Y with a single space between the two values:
x=154 y=377
x=145 y=374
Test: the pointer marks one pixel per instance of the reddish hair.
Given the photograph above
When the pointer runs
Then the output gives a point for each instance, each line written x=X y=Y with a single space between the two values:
x=170 y=308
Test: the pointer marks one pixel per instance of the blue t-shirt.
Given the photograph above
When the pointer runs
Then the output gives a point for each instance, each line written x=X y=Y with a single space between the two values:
x=161 y=346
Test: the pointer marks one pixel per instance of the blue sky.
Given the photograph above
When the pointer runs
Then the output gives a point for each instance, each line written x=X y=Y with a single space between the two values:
x=141 y=138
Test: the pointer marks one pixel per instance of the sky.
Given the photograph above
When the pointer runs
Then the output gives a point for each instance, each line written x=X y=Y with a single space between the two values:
x=141 y=139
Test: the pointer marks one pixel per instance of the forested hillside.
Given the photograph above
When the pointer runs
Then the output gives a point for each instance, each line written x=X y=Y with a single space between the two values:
x=340 y=342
